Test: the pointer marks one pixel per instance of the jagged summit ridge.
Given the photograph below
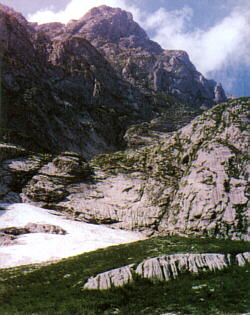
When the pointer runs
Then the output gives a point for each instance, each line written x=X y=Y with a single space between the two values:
x=114 y=25
x=138 y=59
x=142 y=61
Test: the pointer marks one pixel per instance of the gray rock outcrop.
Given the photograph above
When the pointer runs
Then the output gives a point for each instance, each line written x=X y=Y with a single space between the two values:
x=190 y=182
x=49 y=185
x=165 y=268
x=113 y=278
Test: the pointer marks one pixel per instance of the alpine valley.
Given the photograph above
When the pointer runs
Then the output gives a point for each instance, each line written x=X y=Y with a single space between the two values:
x=106 y=139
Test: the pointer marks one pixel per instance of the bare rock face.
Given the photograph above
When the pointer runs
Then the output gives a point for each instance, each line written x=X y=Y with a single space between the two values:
x=191 y=182
x=52 y=29
x=219 y=94
x=16 y=170
x=49 y=185
x=12 y=12
x=66 y=92
x=165 y=268
x=242 y=258
x=113 y=278
x=143 y=62
x=112 y=25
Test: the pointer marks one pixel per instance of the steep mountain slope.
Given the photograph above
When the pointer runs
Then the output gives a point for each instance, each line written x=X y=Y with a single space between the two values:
x=191 y=182
x=60 y=93
x=141 y=61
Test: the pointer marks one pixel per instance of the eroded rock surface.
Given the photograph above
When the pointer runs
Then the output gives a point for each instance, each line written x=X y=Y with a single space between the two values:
x=190 y=182
x=50 y=184
x=113 y=278
x=165 y=268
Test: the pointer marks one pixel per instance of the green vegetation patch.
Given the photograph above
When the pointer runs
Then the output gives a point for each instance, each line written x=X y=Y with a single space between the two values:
x=57 y=288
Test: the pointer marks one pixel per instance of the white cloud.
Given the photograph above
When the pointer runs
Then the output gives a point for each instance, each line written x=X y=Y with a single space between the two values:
x=74 y=10
x=209 y=50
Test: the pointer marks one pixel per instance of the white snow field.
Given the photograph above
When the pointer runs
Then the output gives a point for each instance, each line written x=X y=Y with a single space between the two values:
x=40 y=247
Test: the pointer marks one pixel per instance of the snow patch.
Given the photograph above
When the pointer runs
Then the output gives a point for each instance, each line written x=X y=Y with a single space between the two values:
x=39 y=247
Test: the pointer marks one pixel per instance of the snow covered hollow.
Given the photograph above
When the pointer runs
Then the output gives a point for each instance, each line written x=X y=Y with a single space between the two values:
x=40 y=247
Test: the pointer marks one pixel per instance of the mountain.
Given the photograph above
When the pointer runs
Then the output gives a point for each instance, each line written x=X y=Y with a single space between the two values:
x=66 y=94
x=74 y=87
x=138 y=59
x=71 y=96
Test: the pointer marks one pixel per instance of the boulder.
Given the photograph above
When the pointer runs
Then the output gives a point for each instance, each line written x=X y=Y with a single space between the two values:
x=32 y=228
x=114 y=278
x=45 y=228
x=49 y=185
x=7 y=239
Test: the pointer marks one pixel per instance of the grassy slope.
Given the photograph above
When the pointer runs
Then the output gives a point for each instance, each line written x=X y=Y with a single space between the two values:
x=57 y=288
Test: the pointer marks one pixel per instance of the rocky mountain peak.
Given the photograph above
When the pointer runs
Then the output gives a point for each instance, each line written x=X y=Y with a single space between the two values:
x=137 y=59
x=108 y=11
x=114 y=25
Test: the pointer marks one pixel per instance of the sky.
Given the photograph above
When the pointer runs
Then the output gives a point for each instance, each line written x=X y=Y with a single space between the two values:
x=215 y=33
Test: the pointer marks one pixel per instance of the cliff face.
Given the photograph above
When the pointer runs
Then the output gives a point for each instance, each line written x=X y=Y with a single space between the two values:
x=80 y=86
x=190 y=182
x=62 y=95
x=141 y=61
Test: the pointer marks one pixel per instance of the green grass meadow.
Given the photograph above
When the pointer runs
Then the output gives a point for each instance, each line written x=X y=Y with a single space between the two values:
x=58 y=288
